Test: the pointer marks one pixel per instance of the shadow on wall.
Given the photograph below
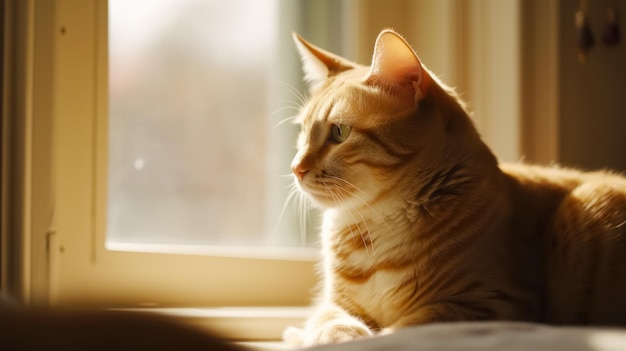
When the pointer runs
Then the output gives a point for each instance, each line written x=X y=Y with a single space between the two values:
x=592 y=94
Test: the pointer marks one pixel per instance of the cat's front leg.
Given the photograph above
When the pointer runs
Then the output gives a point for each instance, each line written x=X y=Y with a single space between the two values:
x=331 y=324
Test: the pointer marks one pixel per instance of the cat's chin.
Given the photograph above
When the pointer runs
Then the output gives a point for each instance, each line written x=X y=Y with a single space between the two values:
x=322 y=201
x=325 y=200
x=328 y=202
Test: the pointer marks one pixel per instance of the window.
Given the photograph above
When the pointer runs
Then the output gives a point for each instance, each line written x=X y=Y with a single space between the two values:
x=104 y=183
x=190 y=84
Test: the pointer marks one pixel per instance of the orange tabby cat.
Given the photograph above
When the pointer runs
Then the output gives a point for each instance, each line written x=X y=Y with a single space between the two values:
x=423 y=225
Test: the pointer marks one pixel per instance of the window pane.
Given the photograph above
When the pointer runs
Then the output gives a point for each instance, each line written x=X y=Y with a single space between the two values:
x=189 y=90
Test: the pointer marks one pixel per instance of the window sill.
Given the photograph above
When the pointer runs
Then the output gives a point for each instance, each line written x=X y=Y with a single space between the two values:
x=306 y=254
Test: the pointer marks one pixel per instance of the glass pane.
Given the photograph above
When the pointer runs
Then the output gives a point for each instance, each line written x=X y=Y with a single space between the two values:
x=189 y=90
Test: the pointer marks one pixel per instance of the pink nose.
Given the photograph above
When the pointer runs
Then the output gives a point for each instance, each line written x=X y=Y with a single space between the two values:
x=299 y=170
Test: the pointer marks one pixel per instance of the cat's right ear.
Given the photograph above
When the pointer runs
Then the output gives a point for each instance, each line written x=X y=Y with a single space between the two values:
x=319 y=64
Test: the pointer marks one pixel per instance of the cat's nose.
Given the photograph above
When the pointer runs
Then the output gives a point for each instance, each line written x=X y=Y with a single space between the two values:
x=299 y=170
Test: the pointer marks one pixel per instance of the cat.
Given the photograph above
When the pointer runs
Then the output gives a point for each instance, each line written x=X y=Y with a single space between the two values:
x=422 y=224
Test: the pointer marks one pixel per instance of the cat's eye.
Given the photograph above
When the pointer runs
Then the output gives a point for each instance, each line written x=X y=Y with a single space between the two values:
x=340 y=132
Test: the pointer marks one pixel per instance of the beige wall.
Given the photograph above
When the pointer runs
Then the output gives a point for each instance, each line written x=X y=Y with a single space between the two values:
x=427 y=25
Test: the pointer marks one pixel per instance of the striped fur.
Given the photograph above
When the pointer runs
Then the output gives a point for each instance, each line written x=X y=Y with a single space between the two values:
x=423 y=225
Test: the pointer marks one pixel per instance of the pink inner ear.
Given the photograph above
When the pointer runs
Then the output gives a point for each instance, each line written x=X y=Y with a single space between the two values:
x=394 y=62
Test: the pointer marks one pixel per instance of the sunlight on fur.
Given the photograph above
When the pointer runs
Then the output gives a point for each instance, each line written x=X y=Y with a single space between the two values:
x=422 y=225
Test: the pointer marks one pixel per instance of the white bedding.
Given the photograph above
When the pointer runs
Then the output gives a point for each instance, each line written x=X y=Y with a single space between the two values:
x=491 y=336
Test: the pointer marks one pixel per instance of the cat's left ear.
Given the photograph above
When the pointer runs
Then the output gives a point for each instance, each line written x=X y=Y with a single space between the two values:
x=319 y=64
x=396 y=65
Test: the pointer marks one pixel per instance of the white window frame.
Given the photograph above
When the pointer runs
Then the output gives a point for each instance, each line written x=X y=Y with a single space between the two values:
x=61 y=109
x=84 y=270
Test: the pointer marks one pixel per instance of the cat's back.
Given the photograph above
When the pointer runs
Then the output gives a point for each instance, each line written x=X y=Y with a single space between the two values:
x=559 y=179
x=568 y=194
x=583 y=221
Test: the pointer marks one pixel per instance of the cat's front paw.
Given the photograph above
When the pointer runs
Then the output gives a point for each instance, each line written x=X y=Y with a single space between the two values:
x=337 y=332
x=294 y=337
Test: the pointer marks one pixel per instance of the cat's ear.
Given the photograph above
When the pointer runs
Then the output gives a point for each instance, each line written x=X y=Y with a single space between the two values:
x=319 y=64
x=395 y=64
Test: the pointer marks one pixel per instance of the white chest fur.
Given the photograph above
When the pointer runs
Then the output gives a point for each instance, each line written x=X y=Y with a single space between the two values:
x=376 y=294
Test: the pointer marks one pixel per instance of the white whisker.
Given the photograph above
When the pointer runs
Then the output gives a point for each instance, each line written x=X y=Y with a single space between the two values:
x=355 y=221
x=341 y=201
x=357 y=197
x=302 y=210
x=367 y=229
x=299 y=206
x=300 y=96
x=285 y=120
x=293 y=192
x=380 y=217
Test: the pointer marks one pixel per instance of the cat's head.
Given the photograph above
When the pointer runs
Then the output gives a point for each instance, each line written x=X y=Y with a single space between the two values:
x=369 y=132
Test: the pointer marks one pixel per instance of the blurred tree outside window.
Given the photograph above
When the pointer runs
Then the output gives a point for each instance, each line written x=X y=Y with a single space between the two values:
x=188 y=107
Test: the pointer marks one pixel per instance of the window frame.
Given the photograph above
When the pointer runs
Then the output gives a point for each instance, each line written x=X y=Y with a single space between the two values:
x=85 y=271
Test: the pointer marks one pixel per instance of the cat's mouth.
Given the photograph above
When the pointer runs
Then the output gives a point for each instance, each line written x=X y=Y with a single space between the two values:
x=327 y=191
x=318 y=194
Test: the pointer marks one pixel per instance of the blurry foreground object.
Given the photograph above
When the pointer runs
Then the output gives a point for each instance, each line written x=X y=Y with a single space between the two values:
x=100 y=330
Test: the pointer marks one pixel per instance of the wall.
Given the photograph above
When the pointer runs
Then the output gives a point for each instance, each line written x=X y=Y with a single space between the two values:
x=592 y=95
